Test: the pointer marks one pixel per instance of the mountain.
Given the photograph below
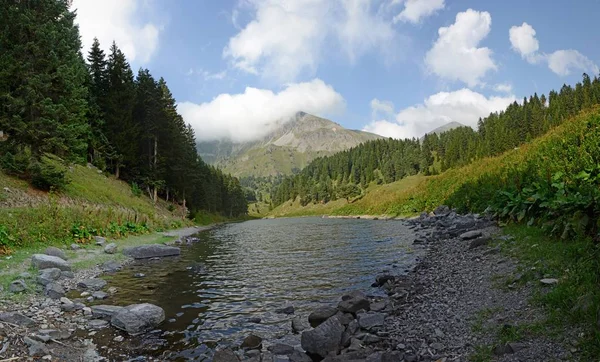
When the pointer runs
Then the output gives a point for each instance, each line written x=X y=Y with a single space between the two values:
x=447 y=127
x=287 y=149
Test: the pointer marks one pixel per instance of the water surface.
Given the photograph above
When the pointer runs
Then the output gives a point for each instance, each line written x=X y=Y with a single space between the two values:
x=243 y=270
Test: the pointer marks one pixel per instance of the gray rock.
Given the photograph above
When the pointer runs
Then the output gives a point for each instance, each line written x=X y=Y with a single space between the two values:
x=54 y=291
x=67 y=275
x=16 y=318
x=502 y=349
x=52 y=251
x=99 y=295
x=353 y=305
x=549 y=281
x=111 y=266
x=110 y=248
x=371 y=320
x=99 y=240
x=381 y=279
x=48 y=334
x=225 y=355
x=66 y=304
x=299 y=324
x=151 y=251
x=252 y=342
x=324 y=339
x=298 y=356
x=437 y=346
x=479 y=242
x=75 y=247
x=138 y=318
x=48 y=276
x=17 y=286
x=254 y=320
x=43 y=261
x=92 y=284
x=35 y=348
x=354 y=294
x=471 y=234
x=442 y=210
x=105 y=311
x=286 y=310
x=280 y=349
x=320 y=315
x=97 y=323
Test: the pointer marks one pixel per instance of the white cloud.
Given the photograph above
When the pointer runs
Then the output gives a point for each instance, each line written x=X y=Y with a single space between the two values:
x=456 y=56
x=206 y=75
x=523 y=40
x=286 y=38
x=254 y=113
x=415 y=10
x=564 y=62
x=381 y=107
x=116 y=20
x=503 y=88
x=464 y=106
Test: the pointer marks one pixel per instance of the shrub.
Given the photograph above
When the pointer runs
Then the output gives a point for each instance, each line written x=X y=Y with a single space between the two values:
x=16 y=163
x=49 y=173
x=136 y=190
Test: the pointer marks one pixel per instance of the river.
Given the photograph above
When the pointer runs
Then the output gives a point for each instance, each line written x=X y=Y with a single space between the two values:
x=249 y=270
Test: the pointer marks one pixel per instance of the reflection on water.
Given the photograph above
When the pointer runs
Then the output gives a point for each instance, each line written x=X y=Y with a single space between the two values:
x=250 y=269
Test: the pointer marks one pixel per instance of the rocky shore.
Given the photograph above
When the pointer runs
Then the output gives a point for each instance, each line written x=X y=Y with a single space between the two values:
x=448 y=308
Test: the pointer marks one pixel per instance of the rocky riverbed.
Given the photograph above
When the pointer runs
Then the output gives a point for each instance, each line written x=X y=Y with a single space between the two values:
x=449 y=307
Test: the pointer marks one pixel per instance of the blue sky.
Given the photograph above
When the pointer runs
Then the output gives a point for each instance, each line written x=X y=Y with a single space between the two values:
x=395 y=67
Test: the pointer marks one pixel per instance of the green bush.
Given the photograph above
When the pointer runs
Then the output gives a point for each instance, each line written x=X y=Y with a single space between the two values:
x=49 y=173
x=16 y=163
x=136 y=190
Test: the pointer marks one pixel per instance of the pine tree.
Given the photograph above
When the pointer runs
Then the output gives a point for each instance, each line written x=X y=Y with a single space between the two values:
x=42 y=79
x=98 y=147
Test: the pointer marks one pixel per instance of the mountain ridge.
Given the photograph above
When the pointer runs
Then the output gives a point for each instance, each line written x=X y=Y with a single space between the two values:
x=283 y=151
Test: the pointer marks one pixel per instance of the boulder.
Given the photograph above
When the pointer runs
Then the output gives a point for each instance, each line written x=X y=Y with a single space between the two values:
x=45 y=335
x=110 y=248
x=17 y=286
x=280 y=349
x=48 y=276
x=52 y=251
x=99 y=295
x=99 y=240
x=75 y=247
x=252 y=342
x=138 y=318
x=35 y=348
x=354 y=305
x=481 y=241
x=320 y=315
x=92 y=284
x=549 y=281
x=43 y=261
x=105 y=311
x=442 y=210
x=97 y=324
x=354 y=294
x=471 y=234
x=299 y=324
x=324 y=339
x=151 y=251
x=66 y=304
x=225 y=355
x=16 y=318
x=286 y=310
x=381 y=279
x=67 y=275
x=54 y=291
x=111 y=266
x=371 y=320
x=298 y=356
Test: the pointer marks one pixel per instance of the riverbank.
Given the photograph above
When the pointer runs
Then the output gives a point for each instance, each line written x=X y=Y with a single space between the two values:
x=40 y=322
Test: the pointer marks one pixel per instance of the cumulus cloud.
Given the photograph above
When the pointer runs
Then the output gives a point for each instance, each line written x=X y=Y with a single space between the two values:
x=456 y=56
x=415 y=10
x=286 y=38
x=562 y=62
x=381 y=107
x=523 y=41
x=464 y=106
x=116 y=20
x=256 y=112
x=503 y=88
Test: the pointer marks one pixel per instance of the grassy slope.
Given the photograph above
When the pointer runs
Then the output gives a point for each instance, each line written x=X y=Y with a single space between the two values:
x=92 y=203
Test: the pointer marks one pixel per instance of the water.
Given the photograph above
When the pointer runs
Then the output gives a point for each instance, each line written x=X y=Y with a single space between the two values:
x=250 y=269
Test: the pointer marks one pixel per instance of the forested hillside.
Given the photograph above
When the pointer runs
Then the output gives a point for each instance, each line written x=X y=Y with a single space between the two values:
x=346 y=174
x=59 y=108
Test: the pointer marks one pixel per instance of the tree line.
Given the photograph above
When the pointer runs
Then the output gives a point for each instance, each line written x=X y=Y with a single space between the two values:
x=348 y=173
x=59 y=108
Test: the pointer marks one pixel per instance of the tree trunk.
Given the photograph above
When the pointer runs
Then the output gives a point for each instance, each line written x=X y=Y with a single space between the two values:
x=155 y=192
x=118 y=171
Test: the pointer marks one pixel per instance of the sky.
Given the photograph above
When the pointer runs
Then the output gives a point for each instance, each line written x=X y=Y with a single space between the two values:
x=398 y=68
